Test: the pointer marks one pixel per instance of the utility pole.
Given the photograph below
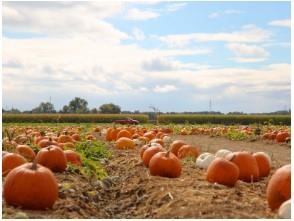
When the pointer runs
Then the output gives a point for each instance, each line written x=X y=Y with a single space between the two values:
x=50 y=99
x=156 y=112
x=210 y=105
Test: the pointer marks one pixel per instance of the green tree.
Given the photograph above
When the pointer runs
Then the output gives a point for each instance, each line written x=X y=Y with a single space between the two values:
x=77 y=105
x=109 y=109
x=44 y=107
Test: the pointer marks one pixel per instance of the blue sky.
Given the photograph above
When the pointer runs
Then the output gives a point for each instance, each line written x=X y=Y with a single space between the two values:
x=172 y=55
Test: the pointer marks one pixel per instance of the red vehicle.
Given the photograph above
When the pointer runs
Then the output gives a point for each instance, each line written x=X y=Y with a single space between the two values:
x=126 y=121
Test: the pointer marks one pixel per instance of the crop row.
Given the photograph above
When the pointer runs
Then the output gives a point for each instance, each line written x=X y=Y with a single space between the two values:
x=225 y=119
x=69 y=118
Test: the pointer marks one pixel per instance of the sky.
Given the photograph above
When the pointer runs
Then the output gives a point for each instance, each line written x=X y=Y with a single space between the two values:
x=175 y=56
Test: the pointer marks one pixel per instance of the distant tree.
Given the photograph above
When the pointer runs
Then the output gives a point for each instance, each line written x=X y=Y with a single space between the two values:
x=236 y=113
x=77 y=105
x=110 y=109
x=11 y=111
x=136 y=112
x=44 y=107
x=94 y=111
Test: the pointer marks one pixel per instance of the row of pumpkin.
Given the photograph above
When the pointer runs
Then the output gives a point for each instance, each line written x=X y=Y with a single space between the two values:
x=224 y=167
x=29 y=181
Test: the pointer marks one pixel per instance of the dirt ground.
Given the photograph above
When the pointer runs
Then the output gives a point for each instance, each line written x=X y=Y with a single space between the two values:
x=130 y=192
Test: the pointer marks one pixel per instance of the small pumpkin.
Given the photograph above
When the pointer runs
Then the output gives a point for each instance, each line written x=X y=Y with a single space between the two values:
x=52 y=157
x=204 y=160
x=176 y=145
x=281 y=137
x=123 y=133
x=46 y=142
x=73 y=157
x=279 y=187
x=223 y=172
x=11 y=161
x=188 y=151
x=222 y=153
x=124 y=143
x=263 y=162
x=285 y=210
x=26 y=151
x=30 y=186
x=165 y=164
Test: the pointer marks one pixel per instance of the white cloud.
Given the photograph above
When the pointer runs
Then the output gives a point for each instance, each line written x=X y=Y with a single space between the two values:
x=80 y=18
x=218 y=14
x=248 y=53
x=137 y=14
x=214 y=15
x=281 y=23
x=268 y=78
x=175 y=6
x=138 y=34
x=248 y=59
x=164 y=88
x=248 y=34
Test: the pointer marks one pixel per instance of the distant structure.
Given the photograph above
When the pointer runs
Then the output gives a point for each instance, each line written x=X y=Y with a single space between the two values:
x=210 y=105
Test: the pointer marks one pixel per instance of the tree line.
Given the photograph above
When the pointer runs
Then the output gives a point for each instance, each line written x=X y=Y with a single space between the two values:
x=76 y=105
x=79 y=105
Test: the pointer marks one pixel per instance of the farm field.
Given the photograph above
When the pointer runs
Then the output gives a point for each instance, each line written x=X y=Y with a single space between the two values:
x=122 y=187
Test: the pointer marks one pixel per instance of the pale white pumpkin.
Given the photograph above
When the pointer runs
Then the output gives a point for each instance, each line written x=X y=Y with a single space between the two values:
x=166 y=139
x=222 y=153
x=285 y=210
x=204 y=160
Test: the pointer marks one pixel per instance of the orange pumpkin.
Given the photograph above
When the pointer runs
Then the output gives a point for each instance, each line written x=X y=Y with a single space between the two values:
x=247 y=165
x=65 y=138
x=279 y=187
x=223 y=172
x=157 y=140
x=26 y=151
x=73 y=157
x=165 y=164
x=11 y=161
x=46 y=142
x=123 y=133
x=150 y=135
x=52 y=157
x=263 y=162
x=149 y=153
x=188 y=151
x=30 y=186
x=176 y=145
x=76 y=137
x=281 y=137
x=124 y=143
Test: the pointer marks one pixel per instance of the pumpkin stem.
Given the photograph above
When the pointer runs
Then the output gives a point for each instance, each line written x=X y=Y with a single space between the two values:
x=167 y=153
x=8 y=134
x=34 y=165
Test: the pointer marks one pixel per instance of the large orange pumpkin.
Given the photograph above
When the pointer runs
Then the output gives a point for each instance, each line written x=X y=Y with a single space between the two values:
x=279 y=187
x=11 y=161
x=176 y=145
x=30 y=186
x=247 y=164
x=165 y=164
x=223 y=172
x=52 y=157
